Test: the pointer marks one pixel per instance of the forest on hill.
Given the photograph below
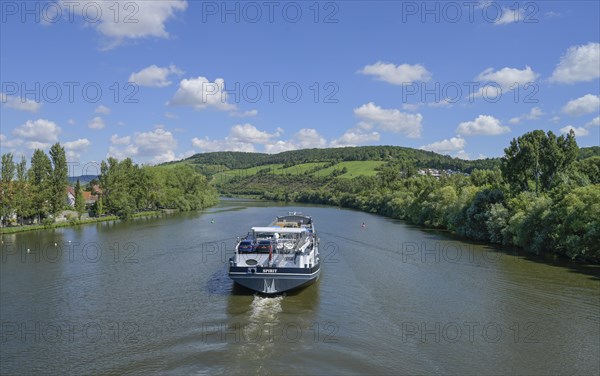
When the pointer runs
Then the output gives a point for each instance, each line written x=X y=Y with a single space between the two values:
x=543 y=195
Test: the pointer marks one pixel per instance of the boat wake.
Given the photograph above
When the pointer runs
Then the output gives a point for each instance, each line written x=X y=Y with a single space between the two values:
x=259 y=341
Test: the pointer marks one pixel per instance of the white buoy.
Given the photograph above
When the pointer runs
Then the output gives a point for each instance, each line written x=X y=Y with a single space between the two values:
x=28 y=250
x=55 y=244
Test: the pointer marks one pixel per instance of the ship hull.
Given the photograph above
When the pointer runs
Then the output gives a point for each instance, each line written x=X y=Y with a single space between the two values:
x=274 y=282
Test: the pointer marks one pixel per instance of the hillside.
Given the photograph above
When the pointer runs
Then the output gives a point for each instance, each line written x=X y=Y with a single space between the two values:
x=418 y=158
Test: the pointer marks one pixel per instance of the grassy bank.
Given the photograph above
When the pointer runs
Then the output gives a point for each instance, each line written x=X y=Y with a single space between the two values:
x=75 y=222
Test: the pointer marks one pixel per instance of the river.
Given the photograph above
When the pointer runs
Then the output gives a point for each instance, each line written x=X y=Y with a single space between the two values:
x=152 y=296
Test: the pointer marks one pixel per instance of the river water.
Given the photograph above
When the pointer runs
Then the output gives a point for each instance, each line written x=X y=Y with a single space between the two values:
x=153 y=296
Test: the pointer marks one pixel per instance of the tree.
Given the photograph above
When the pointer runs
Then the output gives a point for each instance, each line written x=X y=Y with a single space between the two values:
x=39 y=179
x=539 y=157
x=23 y=196
x=79 y=200
x=7 y=188
x=59 y=178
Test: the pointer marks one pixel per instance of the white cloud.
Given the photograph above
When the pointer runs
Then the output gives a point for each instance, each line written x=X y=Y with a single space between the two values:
x=21 y=104
x=73 y=149
x=250 y=134
x=71 y=122
x=483 y=125
x=207 y=145
x=397 y=75
x=504 y=79
x=509 y=16
x=102 y=109
x=157 y=145
x=41 y=130
x=391 y=120
x=37 y=145
x=248 y=138
x=135 y=19
x=116 y=140
x=446 y=146
x=583 y=105
x=354 y=137
x=280 y=146
x=245 y=113
x=154 y=76
x=579 y=131
x=461 y=154
x=9 y=144
x=579 y=63
x=534 y=114
x=308 y=138
x=96 y=123
x=200 y=93
x=595 y=122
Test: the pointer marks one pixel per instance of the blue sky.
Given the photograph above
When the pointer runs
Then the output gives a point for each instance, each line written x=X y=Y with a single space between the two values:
x=161 y=80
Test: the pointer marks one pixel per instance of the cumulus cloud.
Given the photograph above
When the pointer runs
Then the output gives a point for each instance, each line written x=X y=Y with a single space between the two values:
x=200 y=93
x=154 y=76
x=102 y=109
x=74 y=149
x=509 y=16
x=391 y=120
x=158 y=146
x=579 y=63
x=116 y=140
x=354 y=138
x=534 y=114
x=244 y=114
x=397 y=75
x=135 y=19
x=579 y=131
x=207 y=145
x=248 y=133
x=96 y=123
x=446 y=146
x=595 y=122
x=41 y=131
x=21 y=104
x=504 y=80
x=249 y=139
x=482 y=125
x=584 y=105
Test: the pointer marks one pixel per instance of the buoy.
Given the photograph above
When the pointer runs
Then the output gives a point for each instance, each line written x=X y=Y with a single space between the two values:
x=28 y=250
x=213 y=221
x=55 y=244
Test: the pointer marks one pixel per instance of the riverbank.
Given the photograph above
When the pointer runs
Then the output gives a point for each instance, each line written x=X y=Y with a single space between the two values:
x=77 y=222
x=380 y=210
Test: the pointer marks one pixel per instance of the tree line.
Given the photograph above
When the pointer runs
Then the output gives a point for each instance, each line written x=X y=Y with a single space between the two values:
x=542 y=197
x=40 y=191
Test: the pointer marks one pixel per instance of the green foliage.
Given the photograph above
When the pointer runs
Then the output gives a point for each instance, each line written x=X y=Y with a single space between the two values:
x=577 y=231
x=561 y=218
x=7 y=188
x=59 y=178
x=126 y=188
x=537 y=157
x=79 y=200
x=412 y=157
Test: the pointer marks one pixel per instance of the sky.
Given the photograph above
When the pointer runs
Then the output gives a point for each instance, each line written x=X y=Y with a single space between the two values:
x=159 y=81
